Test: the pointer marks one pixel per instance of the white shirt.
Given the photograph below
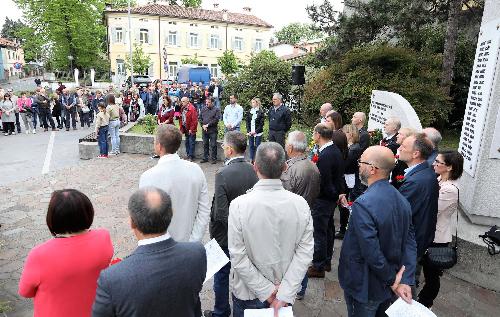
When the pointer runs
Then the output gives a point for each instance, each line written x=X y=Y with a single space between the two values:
x=232 y=159
x=187 y=186
x=216 y=92
x=163 y=237
x=325 y=145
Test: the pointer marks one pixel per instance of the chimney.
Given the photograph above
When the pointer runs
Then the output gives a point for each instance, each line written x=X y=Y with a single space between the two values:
x=247 y=9
x=216 y=4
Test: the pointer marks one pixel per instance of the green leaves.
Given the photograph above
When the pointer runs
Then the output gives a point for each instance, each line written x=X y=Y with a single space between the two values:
x=229 y=63
x=141 y=61
x=296 y=32
x=191 y=60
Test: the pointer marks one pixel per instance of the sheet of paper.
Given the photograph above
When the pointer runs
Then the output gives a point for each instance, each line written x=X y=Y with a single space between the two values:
x=400 y=308
x=268 y=312
x=216 y=258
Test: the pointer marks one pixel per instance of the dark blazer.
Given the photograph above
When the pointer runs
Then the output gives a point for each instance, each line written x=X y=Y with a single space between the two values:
x=159 y=279
x=364 y=139
x=379 y=240
x=420 y=187
x=331 y=169
x=281 y=119
x=211 y=90
x=391 y=143
x=259 y=121
x=231 y=181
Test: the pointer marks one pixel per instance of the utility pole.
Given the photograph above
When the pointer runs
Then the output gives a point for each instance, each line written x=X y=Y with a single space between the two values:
x=130 y=46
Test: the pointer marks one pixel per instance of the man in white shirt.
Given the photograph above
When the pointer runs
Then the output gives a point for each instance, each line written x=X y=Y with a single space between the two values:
x=185 y=183
x=233 y=114
x=270 y=238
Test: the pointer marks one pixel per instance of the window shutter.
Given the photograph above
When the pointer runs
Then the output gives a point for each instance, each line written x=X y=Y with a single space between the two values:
x=233 y=44
x=220 y=43
x=242 y=44
x=209 y=40
x=113 y=35
x=125 y=36
x=200 y=41
x=137 y=35
x=188 y=40
x=150 y=37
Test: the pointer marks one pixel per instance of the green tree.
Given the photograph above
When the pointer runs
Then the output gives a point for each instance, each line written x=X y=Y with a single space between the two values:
x=141 y=61
x=10 y=28
x=263 y=76
x=191 y=60
x=229 y=63
x=33 y=44
x=348 y=83
x=293 y=33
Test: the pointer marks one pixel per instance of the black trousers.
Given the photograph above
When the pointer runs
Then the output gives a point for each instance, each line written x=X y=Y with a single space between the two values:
x=278 y=137
x=69 y=114
x=324 y=233
x=432 y=283
x=344 y=216
x=209 y=143
x=46 y=117
x=18 y=123
x=8 y=127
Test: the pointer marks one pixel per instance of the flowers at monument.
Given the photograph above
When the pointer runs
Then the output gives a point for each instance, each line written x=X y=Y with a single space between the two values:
x=400 y=178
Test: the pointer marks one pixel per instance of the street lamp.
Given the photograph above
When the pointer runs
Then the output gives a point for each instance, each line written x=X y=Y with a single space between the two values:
x=130 y=47
x=70 y=57
x=224 y=17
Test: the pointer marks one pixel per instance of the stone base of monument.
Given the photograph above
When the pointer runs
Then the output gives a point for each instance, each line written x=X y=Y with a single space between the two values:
x=134 y=143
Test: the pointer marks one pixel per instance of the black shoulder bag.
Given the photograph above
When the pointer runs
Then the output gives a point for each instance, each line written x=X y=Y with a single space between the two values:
x=443 y=257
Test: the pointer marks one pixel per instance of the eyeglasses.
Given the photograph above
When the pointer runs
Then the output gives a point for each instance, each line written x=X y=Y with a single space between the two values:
x=366 y=163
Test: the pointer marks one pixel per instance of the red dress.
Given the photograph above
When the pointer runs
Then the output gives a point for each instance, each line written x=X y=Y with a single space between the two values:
x=61 y=274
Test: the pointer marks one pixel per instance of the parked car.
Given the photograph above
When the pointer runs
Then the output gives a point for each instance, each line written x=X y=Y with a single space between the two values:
x=141 y=80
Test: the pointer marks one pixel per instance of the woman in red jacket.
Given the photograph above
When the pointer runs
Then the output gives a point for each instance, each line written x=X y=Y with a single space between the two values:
x=166 y=111
x=61 y=274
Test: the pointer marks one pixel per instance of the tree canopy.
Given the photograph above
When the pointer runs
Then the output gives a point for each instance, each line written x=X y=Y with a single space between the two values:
x=141 y=61
x=294 y=33
x=229 y=63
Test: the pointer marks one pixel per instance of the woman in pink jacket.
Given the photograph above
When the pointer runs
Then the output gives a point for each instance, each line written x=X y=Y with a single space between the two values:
x=449 y=167
x=24 y=105
x=61 y=274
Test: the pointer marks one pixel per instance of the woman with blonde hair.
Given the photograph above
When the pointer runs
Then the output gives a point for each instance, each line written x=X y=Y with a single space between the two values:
x=255 y=126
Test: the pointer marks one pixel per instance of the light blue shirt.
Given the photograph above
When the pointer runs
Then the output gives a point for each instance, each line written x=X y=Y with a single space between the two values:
x=409 y=169
x=233 y=114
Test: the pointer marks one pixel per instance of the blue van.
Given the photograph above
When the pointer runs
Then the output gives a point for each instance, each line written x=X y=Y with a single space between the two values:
x=193 y=74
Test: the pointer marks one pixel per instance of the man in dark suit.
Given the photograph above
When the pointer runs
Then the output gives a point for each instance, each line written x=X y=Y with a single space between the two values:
x=231 y=181
x=391 y=128
x=161 y=277
x=215 y=90
x=420 y=187
x=359 y=119
x=378 y=254
x=331 y=181
x=280 y=120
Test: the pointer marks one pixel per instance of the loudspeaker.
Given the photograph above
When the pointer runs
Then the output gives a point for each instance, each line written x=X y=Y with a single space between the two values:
x=298 y=74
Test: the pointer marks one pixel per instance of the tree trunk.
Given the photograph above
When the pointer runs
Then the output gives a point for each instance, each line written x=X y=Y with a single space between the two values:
x=450 y=45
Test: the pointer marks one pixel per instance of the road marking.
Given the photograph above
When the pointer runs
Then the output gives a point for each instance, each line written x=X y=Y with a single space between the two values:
x=48 y=155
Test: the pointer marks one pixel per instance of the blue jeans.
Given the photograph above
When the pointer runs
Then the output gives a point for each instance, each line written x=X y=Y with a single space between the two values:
x=254 y=142
x=221 y=290
x=370 y=309
x=114 y=127
x=35 y=115
x=239 y=306
x=217 y=103
x=102 y=139
x=190 y=143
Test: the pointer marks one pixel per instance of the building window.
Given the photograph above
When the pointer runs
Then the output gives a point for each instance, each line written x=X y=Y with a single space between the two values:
x=119 y=35
x=214 y=70
x=172 y=38
x=120 y=67
x=214 y=41
x=238 y=44
x=144 y=36
x=258 y=45
x=172 y=69
x=193 y=40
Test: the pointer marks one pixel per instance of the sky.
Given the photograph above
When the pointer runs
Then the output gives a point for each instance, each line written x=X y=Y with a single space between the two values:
x=276 y=12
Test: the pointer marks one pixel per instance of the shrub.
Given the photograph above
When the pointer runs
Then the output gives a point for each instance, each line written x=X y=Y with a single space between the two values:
x=149 y=123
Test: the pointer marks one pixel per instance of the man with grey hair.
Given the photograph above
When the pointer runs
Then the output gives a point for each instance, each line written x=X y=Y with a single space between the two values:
x=359 y=120
x=280 y=120
x=168 y=275
x=268 y=274
x=391 y=129
x=323 y=110
x=435 y=137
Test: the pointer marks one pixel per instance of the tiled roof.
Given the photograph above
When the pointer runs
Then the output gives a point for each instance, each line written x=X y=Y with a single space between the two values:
x=176 y=11
x=6 y=42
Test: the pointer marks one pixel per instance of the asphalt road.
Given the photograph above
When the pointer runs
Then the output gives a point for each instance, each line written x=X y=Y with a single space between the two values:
x=24 y=155
x=25 y=84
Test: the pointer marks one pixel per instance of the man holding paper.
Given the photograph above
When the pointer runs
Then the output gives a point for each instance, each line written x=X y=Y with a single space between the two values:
x=270 y=238
x=378 y=256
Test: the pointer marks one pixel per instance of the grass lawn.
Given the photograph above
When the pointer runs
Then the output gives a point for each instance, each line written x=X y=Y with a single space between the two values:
x=450 y=140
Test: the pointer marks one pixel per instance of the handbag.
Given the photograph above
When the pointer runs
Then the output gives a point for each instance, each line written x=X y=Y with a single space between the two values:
x=443 y=257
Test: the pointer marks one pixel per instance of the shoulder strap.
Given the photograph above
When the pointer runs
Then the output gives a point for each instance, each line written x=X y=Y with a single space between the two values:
x=458 y=204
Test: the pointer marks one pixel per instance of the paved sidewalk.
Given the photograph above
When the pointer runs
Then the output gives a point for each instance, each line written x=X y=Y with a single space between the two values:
x=23 y=207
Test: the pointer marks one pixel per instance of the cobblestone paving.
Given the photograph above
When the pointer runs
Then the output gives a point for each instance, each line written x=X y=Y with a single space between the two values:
x=109 y=183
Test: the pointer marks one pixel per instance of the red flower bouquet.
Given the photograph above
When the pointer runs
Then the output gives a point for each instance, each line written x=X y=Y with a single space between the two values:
x=400 y=178
x=315 y=158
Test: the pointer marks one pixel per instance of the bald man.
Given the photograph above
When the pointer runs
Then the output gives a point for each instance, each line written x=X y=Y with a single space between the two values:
x=379 y=249
x=323 y=110
x=359 y=120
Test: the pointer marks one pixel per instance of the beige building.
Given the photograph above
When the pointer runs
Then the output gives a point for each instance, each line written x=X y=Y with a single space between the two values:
x=170 y=33
x=11 y=59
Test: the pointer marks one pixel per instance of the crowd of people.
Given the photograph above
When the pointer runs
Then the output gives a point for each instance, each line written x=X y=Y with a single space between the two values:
x=272 y=216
